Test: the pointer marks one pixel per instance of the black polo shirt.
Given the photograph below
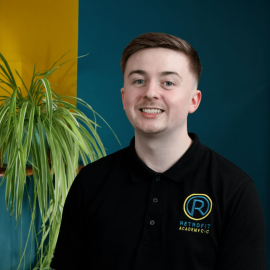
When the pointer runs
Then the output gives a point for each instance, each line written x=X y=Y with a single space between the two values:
x=202 y=213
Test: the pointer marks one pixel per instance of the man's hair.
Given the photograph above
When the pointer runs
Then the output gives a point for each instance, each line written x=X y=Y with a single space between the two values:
x=162 y=40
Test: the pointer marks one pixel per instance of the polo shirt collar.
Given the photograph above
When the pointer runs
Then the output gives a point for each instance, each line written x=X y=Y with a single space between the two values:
x=179 y=172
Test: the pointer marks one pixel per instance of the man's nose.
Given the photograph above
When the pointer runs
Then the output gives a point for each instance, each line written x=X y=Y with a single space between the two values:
x=152 y=90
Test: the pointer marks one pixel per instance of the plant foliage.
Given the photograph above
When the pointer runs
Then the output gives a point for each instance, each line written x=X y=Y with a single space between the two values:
x=23 y=122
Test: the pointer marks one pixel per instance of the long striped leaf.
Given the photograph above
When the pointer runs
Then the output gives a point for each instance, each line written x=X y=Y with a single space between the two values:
x=7 y=76
x=11 y=158
x=10 y=176
x=70 y=131
x=55 y=156
x=28 y=139
x=31 y=88
x=96 y=137
x=4 y=75
x=29 y=94
x=37 y=175
x=11 y=109
x=8 y=68
x=48 y=100
x=20 y=127
x=5 y=97
x=92 y=141
x=20 y=189
x=43 y=162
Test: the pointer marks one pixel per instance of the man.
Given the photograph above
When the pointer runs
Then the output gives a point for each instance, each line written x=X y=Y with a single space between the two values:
x=166 y=201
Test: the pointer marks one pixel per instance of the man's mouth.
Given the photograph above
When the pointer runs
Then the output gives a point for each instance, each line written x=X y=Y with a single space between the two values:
x=145 y=110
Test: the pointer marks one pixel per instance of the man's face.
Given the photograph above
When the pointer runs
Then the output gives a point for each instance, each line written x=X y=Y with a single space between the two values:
x=159 y=91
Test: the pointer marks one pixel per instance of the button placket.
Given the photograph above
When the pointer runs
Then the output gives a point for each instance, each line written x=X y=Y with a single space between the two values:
x=154 y=209
x=152 y=223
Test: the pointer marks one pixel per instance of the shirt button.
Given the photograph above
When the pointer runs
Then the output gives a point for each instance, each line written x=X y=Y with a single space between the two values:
x=152 y=222
x=158 y=178
x=155 y=200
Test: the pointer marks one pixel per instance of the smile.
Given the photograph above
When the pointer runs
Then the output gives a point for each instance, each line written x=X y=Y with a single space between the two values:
x=151 y=110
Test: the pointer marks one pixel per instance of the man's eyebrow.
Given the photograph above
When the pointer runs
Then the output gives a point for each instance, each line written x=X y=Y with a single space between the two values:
x=137 y=71
x=164 y=73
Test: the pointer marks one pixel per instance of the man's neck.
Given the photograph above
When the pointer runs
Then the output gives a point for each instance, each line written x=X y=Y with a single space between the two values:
x=160 y=152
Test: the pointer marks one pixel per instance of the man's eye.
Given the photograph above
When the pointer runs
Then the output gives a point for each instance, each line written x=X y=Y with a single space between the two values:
x=139 y=81
x=168 y=83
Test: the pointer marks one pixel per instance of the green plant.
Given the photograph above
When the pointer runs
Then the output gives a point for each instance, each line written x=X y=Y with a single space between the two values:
x=23 y=121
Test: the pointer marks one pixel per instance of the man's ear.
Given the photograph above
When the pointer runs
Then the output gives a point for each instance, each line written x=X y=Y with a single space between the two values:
x=123 y=96
x=195 y=101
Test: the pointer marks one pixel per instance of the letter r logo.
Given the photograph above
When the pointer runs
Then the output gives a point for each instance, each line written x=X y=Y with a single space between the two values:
x=197 y=206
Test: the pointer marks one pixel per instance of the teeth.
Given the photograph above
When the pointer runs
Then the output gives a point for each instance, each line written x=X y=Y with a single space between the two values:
x=152 y=110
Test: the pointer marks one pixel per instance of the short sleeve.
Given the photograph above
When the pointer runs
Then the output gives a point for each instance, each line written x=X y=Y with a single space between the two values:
x=69 y=251
x=243 y=244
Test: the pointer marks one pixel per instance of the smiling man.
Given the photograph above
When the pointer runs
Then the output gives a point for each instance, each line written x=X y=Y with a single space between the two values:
x=167 y=201
x=159 y=91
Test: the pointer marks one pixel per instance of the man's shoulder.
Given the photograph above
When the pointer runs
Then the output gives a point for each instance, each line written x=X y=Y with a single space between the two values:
x=225 y=178
x=106 y=163
x=225 y=169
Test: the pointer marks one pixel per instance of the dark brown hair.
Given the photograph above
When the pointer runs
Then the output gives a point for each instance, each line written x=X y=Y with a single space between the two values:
x=162 y=40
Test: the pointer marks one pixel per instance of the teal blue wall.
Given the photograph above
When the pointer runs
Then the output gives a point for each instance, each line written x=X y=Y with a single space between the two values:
x=13 y=239
x=232 y=39
x=233 y=42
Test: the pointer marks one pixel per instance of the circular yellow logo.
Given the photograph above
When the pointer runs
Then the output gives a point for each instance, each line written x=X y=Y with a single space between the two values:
x=197 y=206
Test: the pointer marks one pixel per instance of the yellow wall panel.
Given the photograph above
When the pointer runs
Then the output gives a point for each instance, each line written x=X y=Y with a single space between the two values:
x=36 y=31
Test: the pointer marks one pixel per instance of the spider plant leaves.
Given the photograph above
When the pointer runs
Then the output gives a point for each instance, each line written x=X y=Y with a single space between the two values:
x=29 y=135
x=48 y=73
x=38 y=176
x=55 y=156
x=9 y=175
x=94 y=132
x=7 y=77
x=9 y=73
x=9 y=148
x=82 y=102
x=46 y=180
x=73 y=133
x=57 y=61
x=70 y=134
x=12 y=108
x=8 y=84
x=3 y=75
x=3 y=111
x=65 y=149
x=89 y=139
x=32 y=80
x=48 y=100
x=29 y=94
x=20 y=186
x=79 y=114
x=20 y=128
x=16 y=163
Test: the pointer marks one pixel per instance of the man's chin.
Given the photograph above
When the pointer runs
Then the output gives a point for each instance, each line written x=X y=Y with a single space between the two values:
x=149 y=131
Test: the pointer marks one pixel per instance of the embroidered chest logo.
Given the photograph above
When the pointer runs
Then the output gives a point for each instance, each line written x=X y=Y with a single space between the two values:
x=196 y=207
